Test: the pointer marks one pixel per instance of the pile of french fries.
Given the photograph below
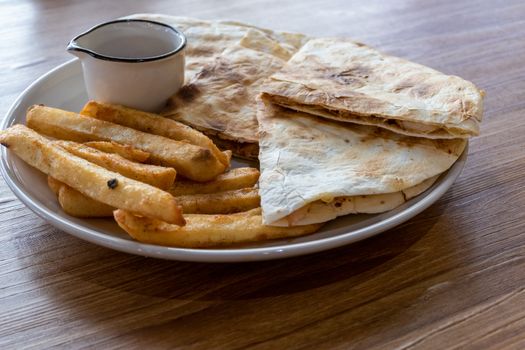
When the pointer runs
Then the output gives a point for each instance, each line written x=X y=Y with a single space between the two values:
x=163 y=182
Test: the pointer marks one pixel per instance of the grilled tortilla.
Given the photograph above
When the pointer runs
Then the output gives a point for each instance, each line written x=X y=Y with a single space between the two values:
x=226 y=63
x=314 y=169
x=347 y=81
x=221 y=99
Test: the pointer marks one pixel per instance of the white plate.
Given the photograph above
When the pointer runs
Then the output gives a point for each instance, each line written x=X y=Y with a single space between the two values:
x=63 y=87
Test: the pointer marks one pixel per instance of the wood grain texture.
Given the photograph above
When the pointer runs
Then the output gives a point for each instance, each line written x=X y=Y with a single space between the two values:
x=451 y=278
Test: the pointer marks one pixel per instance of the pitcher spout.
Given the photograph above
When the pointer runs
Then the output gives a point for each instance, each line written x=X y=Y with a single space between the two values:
x=74 y=49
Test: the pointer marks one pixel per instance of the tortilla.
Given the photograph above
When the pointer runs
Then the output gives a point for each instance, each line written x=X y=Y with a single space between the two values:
x=226 y=63
x=318 y=164
x=220 y=99
x=347 y=81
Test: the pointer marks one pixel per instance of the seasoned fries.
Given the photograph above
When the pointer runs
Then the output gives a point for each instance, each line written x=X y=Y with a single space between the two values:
x=91 y=180
x=154 y=175
x=125 y=151
x=152 y=123
x=76 y=204
x=220 y=203
x=232 y=180
x=96 y=169
x=194 y=162
x=226 y=202
x=206 y=230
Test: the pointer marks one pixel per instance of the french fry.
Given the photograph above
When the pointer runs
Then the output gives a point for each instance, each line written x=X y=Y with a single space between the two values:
x=91 y=180
x=152 y=123
x=220 y=203
x=206 y=230
x=194 y=162
x=154 y=175
x=54 y=184
x=76 y=204
x=232 y=180
x=125 y=151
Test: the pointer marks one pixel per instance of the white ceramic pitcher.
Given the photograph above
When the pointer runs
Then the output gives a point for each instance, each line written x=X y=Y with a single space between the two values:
x=132 y=62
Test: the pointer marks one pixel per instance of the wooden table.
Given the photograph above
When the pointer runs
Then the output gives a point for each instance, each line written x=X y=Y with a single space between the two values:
x=453 y=277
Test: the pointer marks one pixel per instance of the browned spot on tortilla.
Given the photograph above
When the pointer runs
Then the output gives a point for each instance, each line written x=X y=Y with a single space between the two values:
x=204 y=73
x=407 y=142
x=217 y=124
x=377 y=133
x=345 y=80
x=188 y=92
x=442 y=144
x=423 y=90
x=382 y=202
x=407 y=84
x=401 y=87
x=201 y=51
x=226 y=70
x=353 y=76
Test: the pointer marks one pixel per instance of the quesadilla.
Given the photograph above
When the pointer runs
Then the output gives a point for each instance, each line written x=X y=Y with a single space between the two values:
x=348 y=81
x=314 y=169
x=226 y=63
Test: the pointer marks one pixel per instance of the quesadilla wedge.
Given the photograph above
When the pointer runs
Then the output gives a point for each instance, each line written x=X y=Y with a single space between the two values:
x=314 y=169
x=226 y=63
x=220 y=99
x=348 y=81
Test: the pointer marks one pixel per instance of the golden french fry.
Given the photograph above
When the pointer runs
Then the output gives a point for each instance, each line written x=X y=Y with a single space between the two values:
x=194 y=162
x=76 y=204
x=126 y=151
x=54 y=184
x=206 y=230
x=152 y=123
x=91 y=180
x=220 y=203
x=232 y=180
x=154 y=175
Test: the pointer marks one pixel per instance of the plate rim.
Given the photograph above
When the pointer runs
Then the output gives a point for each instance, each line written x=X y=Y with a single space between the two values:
x=221 y=255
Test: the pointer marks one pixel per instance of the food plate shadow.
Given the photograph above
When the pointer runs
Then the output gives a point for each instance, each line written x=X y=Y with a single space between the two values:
x=367 y=261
